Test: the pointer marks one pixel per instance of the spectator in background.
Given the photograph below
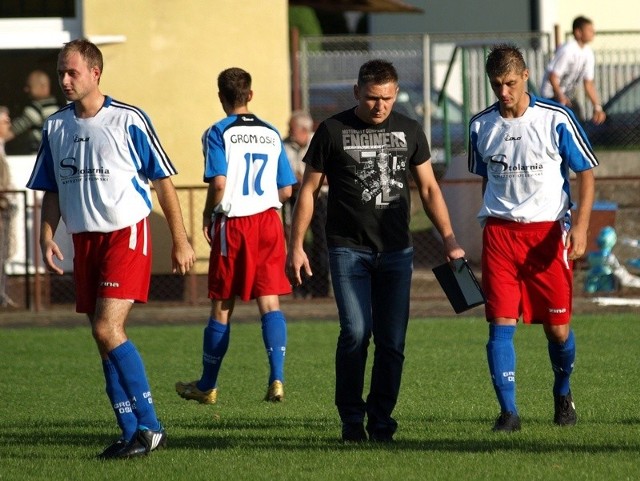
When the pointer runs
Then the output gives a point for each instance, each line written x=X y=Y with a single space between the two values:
x=574 y=62
x=7 y=209
x=296 y=145
x=41 y=104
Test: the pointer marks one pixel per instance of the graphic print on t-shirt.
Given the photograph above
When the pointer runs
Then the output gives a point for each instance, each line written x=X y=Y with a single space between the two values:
x=381 y=160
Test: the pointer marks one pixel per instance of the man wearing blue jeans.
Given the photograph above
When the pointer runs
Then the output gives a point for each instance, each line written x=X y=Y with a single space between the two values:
x=366 y=154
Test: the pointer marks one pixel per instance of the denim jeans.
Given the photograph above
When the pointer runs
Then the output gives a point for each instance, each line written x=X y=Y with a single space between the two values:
x=372 y=293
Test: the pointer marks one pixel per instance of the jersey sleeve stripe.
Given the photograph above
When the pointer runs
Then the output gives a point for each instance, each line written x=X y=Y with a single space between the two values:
x=575 y=128
x=153 y=138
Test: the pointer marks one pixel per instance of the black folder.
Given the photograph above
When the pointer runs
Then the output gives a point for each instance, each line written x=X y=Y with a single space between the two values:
x=460 y=285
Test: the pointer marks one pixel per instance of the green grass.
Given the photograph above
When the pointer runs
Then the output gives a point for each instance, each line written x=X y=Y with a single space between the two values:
x=55 y=416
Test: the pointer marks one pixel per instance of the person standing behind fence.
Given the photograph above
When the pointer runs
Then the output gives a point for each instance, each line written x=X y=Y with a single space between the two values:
x=366 y=154
x=296 y=145
x=7 y=209
x=523 y=148
x=574 y=62
x=97 y=158
x=41 y=105
x=249 y=178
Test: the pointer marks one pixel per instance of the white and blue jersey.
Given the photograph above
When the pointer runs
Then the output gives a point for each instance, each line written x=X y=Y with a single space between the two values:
x=100 y=166
x=527 y=160
x=250 y=154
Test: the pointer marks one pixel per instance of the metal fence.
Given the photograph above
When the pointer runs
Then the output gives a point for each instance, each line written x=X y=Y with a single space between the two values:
x=16 y=246
x=442 y=80
x=617 y=61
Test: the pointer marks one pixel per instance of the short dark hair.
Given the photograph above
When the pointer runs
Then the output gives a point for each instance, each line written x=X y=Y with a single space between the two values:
x=580 y=22
x=87 y=50
x=504 y=58
x=234 y=85
x=377 y=72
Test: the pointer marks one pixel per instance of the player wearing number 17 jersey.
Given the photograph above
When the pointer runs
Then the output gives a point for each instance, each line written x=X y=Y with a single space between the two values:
x=249 y=177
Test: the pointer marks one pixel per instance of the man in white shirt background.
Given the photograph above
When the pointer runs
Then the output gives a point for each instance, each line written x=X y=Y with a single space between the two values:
x=572 y=63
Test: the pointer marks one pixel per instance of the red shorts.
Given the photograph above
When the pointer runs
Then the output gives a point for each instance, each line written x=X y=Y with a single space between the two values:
x=526 y=272
x=247 y=257
x=112 y=265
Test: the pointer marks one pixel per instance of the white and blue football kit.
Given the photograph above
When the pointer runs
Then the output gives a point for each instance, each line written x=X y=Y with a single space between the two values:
x=528 y=172
x=100 y=164
x=526 y=271
x=100 y=168
x=250 y=154
x=248 y=251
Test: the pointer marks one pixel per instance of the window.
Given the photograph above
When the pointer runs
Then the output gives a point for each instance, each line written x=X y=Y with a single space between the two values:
x=37 y=8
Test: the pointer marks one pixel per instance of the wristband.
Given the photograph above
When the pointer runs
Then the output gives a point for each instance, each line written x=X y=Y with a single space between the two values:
x=597 y=108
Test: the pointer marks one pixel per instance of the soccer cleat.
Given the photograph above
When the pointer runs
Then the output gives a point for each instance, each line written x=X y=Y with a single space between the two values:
x=143 y=443
x=565 y=410
x=353 y=433
x=275 y=393
x=189 y=390
x=507 y=422
x=111 y=450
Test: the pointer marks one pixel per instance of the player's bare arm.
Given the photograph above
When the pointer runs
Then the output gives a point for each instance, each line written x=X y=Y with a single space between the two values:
x=436 y=208
x=297 y=259
x=577 y=238
x=50 y=217
x=599 y=115
x=215 y=192
x=284 y=193
x=182 y=255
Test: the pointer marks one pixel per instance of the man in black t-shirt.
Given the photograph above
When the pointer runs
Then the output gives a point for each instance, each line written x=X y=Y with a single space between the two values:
x=366 y=154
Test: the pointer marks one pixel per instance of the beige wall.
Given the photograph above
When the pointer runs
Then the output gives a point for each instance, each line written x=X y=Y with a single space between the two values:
x=173 y=53
x=168 y=66
x=608 y=15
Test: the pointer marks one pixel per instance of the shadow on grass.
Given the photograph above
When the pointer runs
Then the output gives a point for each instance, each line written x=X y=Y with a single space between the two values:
x=305 y=435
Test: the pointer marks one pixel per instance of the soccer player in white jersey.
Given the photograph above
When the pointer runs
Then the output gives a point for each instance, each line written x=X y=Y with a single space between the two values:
x=249 y=178
x=94 y=165
x=574 y=62
x=524 y=147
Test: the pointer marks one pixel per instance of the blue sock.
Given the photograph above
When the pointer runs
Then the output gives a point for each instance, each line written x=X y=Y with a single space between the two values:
x=562 y=358
x=502 y=365
x=119 y=401
x=133 y=380
x=274 y=335
x=214 y=346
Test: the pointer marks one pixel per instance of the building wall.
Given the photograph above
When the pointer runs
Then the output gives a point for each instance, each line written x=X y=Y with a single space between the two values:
x=472 y=16
x=465 y=16
x=609 y=15
x=172 y=54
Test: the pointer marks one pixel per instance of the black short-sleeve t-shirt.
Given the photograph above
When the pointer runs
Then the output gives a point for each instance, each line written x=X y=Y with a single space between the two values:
x=367 y=169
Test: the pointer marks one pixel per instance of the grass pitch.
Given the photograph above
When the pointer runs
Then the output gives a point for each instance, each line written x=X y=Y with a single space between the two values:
x=55 y=417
